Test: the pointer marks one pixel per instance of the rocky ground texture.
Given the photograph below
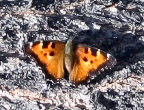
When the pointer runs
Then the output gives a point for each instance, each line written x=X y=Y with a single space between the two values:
x=115 y=26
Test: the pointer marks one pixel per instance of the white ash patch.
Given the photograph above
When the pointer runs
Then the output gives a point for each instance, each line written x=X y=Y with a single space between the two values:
x=133 y=83
x=58 y=97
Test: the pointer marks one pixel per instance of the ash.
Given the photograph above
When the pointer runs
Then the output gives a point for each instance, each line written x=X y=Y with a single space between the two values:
x=115 y=26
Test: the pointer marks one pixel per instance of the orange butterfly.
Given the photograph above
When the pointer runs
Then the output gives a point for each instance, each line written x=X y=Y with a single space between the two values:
x=79 y=60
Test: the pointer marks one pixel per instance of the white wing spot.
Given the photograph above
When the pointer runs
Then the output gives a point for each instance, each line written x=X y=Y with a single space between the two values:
x=106 y=67
x=102 y=69
x=98 y=53
x=41 y=44
x=30 y=45
x=108 y=56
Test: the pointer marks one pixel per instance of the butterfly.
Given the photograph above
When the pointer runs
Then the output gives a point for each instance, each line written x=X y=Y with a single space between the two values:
x=80 y=61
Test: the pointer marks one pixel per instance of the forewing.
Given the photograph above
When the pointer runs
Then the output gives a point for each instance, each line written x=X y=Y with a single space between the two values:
x=49 y=55
x=89 y=60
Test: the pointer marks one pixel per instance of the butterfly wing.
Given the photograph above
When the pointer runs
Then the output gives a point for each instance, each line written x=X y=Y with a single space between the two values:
x=88 y=60
x=50 y=55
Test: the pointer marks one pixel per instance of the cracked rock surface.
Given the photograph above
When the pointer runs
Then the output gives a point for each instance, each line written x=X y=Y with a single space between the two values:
x=115 y=26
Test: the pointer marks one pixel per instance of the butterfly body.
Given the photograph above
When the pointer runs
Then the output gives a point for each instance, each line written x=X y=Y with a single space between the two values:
x=79 y=60
x=69 y=55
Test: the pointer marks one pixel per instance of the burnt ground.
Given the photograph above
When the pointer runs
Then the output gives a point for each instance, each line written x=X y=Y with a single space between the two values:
x=115 y=26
